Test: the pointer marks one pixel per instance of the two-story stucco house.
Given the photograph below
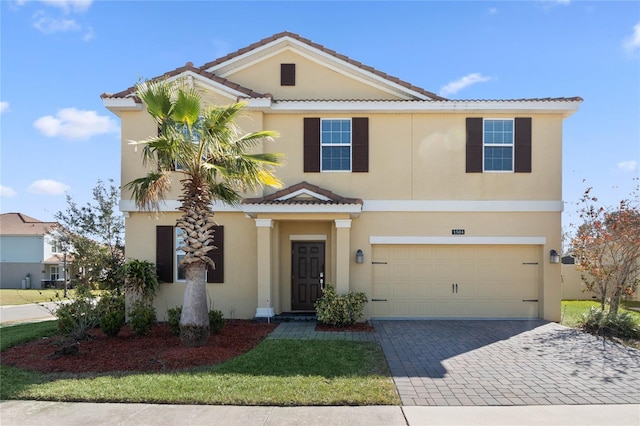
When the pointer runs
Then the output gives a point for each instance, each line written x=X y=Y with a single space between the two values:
x=434 y=208
x=30 y=255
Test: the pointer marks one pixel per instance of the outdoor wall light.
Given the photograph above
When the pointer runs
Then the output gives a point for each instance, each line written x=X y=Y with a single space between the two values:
x=554 y=257
x=359 y=256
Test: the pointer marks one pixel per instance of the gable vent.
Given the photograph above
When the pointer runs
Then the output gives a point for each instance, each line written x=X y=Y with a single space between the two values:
x=287 y=74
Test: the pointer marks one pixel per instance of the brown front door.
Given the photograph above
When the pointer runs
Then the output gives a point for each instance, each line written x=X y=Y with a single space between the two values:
x=307 y=274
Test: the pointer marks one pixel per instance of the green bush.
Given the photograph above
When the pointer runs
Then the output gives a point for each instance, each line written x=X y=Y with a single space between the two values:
x=142 y=317
x=173 y=318
x=340 y=310
x=216 y=321
x=620 y=324
x=112 y=314
x=79 y=316
x=141 y=279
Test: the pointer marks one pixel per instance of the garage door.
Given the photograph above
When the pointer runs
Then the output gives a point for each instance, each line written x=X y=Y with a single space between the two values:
x=451 y=281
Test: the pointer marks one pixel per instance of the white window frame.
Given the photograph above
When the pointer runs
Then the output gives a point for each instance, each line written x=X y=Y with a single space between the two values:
x=334 y=145
x=54 y=270
x=512 y=145
x=176 y=260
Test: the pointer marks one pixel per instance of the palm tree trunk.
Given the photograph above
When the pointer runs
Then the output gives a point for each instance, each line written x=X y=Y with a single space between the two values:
x=194 y=321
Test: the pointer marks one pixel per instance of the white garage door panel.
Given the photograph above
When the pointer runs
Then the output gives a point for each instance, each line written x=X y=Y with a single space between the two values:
x=455 y=281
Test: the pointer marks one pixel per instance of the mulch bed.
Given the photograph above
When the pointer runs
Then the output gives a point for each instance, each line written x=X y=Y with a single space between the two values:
x=159 y=351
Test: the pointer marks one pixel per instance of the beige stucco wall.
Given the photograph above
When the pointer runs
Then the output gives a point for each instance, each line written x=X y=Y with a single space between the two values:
x=573 y=287
x=264 y=77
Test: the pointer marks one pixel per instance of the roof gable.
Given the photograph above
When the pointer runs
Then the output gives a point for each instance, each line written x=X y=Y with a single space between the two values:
x=303 y=193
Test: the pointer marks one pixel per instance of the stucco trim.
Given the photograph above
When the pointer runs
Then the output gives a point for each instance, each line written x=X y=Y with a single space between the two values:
x=457 y=240
x=302 y=237
x=463 y=206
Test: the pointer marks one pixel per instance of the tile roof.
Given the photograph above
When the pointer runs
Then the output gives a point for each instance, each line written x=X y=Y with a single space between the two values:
x=21 y=224
x=280 y=197
x=250 y=93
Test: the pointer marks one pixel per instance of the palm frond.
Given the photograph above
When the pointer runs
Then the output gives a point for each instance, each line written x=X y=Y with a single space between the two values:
x=147 y=191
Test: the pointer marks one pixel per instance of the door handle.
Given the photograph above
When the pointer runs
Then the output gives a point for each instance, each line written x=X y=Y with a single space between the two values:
x=453 y=288
x=456 y=287
x=322 y=280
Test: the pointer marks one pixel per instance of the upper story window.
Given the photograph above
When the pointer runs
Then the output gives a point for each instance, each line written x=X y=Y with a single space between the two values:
x=335 y=144
x=498 y=145
x=56 y=247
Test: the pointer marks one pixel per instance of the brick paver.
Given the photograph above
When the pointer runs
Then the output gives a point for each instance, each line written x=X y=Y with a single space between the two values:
x=506 y=363
x=306 y=330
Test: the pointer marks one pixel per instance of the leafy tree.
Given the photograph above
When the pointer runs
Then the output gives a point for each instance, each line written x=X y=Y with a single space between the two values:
x=205 y=147
x=93 y=234
x=607 y=248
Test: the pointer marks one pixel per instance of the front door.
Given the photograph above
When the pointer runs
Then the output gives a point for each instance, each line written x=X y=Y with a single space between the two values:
x=307 y=274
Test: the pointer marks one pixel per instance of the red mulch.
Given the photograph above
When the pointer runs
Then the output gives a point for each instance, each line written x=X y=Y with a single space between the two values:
x=158 y=351
x=357 y=327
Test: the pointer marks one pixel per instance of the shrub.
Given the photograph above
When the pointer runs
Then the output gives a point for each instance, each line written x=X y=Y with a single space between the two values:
x=111 y=309
x=340 y=310
x=79 y=316
x=141 y=279
x=173 y=315
x=216 y=321
x=142 y=318
x=620 y=324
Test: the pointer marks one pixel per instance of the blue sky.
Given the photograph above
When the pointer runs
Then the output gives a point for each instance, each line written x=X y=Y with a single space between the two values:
x=57 y=57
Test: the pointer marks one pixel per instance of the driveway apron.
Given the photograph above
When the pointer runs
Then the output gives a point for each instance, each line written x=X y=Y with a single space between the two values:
x=472 y=363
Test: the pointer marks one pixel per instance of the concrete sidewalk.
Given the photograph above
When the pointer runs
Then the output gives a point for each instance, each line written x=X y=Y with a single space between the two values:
x=68 y=413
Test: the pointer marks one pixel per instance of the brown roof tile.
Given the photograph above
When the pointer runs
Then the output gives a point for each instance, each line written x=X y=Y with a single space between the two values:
x=275 y=197
x=21 y=224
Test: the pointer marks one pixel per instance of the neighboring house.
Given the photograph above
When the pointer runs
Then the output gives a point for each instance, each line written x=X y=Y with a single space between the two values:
x=434 y=208
x=30 y=256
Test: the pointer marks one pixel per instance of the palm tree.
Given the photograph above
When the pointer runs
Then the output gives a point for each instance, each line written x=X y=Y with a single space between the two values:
x=204 y=145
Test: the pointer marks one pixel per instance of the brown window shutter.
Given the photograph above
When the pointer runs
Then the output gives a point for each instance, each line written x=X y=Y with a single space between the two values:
x=523 y=145
x=311 y=145
x=287 y=74
x=217 y=255
x=360 y=144
x=474 y=145
x=165 y=253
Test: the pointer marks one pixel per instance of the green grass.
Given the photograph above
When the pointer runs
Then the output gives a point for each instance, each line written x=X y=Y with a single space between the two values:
x=572 y=310
x=276 y=372
x=16 y=334
x=10 y=296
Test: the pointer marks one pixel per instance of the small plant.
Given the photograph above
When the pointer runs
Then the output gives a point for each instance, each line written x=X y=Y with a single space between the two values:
x=79 y=316
x=619 y=324
x=141 y=280
x=142 y=318
x=173 y=318
x=340 y=310
x=216 y=321
x=111 y=309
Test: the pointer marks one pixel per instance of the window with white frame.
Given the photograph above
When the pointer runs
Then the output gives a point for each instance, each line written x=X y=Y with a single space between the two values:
x=180 y=270
x=498 y=145
x=54 y=273
x=335 y=144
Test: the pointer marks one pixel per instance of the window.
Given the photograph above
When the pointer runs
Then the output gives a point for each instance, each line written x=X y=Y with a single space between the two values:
x=335 y=143
x=54 y=273
x=169 y=241
x=180 y=271
x=56 y=247
x=498 y=145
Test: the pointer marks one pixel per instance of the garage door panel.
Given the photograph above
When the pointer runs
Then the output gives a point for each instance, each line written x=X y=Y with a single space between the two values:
x=456 y=281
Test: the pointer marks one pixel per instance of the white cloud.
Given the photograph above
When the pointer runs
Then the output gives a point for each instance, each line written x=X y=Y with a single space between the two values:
x=632 y=42
x=6 y=192
x=4 y=106
x=48 y=25
x=72 y=123
x=457 y=85
x=493 y=11
x=48 y=187
x=67 y=6
x=628 y=166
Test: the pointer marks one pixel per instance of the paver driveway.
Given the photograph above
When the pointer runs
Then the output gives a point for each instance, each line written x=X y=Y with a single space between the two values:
x=506 y=363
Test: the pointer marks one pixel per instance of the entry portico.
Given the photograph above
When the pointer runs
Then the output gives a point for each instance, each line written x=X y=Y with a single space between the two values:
x=295 y=217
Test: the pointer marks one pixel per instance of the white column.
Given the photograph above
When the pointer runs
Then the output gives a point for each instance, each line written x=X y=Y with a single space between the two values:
x=265 y=305
x=343 y=255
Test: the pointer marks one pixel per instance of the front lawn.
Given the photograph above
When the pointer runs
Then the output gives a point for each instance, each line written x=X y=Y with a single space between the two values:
x=276 y=372
x=12 y=296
